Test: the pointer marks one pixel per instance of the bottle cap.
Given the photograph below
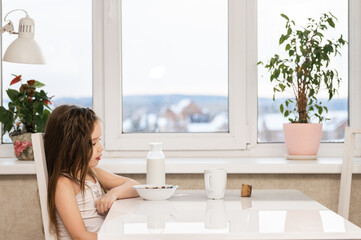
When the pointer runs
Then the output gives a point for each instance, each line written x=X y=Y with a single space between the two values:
x=156 y=146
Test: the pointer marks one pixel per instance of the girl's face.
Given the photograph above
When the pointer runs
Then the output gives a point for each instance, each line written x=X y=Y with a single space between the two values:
x=97 y=145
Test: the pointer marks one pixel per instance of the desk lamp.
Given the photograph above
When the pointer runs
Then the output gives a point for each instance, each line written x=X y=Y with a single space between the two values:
x=24 y=49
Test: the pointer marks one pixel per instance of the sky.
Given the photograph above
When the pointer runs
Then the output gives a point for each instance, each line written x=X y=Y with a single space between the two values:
x=198 y=63
x=180 y=46
x=169 y=46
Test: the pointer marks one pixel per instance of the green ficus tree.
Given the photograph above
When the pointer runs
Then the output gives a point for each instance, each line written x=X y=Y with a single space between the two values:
x=306 y=68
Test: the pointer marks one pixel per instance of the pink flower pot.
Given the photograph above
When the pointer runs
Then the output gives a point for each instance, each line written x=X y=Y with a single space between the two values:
x=302 y=138
x=23 y=148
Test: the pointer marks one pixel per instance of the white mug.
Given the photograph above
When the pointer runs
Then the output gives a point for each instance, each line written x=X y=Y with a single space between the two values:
x=215 y=181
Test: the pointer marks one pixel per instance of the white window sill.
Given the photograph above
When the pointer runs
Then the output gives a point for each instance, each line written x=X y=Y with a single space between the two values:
x=11 y=166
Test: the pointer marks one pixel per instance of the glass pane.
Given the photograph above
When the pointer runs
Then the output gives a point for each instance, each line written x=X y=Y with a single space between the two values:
x=175 y=65
x=63 y=30
x=270 y=27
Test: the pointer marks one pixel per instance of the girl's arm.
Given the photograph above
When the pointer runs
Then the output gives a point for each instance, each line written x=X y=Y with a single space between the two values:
x=65 y=202
x=118 y=187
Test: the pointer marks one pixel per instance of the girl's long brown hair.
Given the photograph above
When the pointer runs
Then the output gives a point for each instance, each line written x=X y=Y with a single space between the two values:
x=68 y=149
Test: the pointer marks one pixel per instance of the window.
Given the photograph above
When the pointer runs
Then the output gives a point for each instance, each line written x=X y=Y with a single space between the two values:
x=103 y=56
x=242 y=138
x=63 y=29
x=270 y=28
x=174 y=66
x=191 y=55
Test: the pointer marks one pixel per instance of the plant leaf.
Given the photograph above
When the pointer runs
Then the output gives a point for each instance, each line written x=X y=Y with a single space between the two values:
x=38 y=84
x=330 y=22
x=13 y=94
x=282 y=39
x=6 y=118
x=284 y=16
x=281 y=108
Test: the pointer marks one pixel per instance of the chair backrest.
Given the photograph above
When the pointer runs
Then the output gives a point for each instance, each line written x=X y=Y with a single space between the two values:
x=346 y=172
x=42 y=179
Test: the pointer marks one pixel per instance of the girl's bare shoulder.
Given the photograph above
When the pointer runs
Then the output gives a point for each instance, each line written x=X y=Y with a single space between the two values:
x=66 y=183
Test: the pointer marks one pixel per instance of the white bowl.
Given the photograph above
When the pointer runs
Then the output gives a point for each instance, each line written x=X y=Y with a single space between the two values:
x=155 y=193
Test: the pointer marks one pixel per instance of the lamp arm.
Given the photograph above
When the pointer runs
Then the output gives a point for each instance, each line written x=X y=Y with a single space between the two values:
x=9 y=27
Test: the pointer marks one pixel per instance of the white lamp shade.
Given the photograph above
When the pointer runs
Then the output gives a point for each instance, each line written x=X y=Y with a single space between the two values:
x=24 y=50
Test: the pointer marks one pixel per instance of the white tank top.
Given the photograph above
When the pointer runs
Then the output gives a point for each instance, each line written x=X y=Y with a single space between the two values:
x=87 y=207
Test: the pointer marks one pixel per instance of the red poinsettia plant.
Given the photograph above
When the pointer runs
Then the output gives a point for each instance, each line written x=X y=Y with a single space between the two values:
x=28 y=109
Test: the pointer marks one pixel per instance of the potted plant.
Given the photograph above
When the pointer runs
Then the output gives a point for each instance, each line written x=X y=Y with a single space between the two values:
x=27 y=113
x=304 y=70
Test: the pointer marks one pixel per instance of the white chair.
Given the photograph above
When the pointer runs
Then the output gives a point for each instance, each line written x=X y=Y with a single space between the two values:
x=346 y=172
x=42 y=179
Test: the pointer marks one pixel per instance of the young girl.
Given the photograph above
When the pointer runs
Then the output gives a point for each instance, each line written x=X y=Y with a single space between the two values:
x=79 y=193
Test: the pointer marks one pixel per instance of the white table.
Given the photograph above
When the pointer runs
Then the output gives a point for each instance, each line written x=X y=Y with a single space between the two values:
x=268 y=214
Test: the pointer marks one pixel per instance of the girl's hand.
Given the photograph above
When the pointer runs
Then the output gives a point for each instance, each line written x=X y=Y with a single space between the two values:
x=104 y=203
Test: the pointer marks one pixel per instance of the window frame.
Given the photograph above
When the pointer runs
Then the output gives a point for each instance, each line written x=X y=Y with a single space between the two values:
x=354 y=86
x=247 y=112
x=235 y=139
x=103 y=15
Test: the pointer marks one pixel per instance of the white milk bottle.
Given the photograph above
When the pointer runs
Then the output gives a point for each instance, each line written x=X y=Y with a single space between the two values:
x=155 y=165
